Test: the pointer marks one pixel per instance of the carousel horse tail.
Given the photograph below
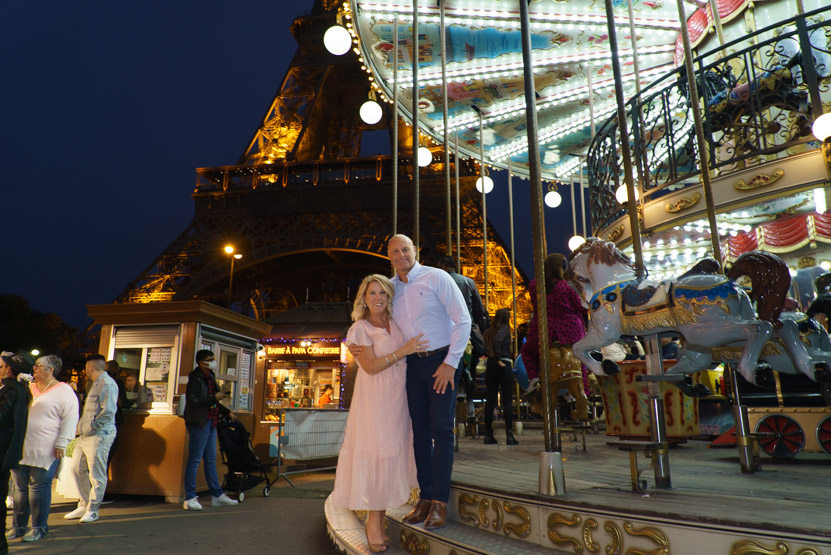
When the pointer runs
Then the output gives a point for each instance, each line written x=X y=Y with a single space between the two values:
x=771 y=280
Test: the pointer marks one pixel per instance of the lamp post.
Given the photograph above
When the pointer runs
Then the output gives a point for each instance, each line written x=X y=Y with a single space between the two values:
x=230 y=250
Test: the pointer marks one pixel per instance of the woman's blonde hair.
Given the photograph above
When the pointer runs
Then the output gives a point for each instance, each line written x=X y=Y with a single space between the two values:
x=359 y=309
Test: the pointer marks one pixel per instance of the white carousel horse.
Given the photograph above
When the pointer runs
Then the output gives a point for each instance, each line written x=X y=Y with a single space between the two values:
x=707 y=309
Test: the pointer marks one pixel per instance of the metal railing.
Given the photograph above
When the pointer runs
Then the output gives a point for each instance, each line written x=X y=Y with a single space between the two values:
x=757 y=103
x=307 y=440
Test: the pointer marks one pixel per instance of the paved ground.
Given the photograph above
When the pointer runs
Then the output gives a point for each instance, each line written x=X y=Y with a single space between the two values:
x=289 y=521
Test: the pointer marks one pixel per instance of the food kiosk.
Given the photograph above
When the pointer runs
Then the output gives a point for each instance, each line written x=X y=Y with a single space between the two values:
x=155 y=345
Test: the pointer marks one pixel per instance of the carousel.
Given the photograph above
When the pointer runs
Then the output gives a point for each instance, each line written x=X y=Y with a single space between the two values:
x=708 y=222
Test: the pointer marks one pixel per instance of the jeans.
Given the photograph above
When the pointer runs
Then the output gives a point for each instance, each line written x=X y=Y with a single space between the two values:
x=4 y=492
x=32 y=494
x=201 y=447
x=90 y=460
x=432 y=417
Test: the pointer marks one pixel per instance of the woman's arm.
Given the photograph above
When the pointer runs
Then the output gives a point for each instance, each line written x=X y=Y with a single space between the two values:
x=375 y=365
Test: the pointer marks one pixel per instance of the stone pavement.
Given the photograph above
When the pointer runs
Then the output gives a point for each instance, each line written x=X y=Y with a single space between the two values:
x=289 y=521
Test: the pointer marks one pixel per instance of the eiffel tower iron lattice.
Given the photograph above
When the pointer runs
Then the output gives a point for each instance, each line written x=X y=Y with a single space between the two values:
x=310 y=216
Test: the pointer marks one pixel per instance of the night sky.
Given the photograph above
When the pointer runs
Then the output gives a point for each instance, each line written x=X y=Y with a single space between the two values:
x=107 y=108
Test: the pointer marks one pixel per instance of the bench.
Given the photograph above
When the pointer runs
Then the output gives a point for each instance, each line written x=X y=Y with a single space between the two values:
x=649 y=449
x=574 y=428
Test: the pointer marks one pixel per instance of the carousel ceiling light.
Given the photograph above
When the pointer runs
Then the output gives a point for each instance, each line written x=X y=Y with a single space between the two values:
x=553 y=199
x=575 y=242
x=488 y=184
x=337 y=40
x=623 y=197
x=822 y=127
x=425 y=157
x=371 y=112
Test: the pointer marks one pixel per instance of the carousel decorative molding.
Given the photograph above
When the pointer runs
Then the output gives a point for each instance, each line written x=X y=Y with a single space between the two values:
x=616 y=534
x=682 y=203
x=757 y=181
x=413 y=544
x=615 y=234
x=501 y=509
x=750 y=547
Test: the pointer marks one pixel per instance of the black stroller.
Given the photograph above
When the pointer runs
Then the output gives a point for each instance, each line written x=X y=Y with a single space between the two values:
x=245 y=470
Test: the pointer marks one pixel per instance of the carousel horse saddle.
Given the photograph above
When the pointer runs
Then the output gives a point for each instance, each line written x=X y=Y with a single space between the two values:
x=646 y=297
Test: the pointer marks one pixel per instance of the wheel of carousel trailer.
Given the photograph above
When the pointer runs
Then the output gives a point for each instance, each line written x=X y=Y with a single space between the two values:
x=241 y=496
x=781 y=436
x=266 y=491
x=824 y=434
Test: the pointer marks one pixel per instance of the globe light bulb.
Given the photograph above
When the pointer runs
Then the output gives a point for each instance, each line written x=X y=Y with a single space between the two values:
x=622 y=195
x=371 y=112
x=553 y=199
x=575 y=242
x=425 y=157
x=488 y=184
x=337 y=40
x=822 y=127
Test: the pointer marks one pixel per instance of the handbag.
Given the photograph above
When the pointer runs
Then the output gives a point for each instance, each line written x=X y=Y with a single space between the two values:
x=180 y=410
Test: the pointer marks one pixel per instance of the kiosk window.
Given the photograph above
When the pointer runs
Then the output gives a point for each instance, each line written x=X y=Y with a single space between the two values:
x=146 y=373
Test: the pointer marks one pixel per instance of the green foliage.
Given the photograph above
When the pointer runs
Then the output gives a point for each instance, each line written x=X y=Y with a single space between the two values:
x=22 y=327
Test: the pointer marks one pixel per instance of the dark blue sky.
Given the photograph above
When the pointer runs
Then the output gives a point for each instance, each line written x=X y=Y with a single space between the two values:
x=107 y=108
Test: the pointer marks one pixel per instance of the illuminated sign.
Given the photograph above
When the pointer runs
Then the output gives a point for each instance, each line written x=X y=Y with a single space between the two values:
x=314 y=350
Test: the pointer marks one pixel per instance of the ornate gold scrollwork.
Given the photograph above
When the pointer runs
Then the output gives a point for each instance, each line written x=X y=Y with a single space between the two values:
x=760 y=180
x=556 y=520
x=497 y=508
x=682 y=203
x=465 y=500
x=615 y=233
x=591 y=545
x=483 y=518
x=412 y=544
x=519 y=530
x=751 y=547
x=808 y=551
x=653 y=534
x=617 y=538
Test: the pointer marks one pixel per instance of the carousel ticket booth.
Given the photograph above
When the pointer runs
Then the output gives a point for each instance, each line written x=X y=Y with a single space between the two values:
x=155 y=345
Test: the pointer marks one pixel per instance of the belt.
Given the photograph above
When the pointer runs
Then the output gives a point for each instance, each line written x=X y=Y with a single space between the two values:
x=425 y=354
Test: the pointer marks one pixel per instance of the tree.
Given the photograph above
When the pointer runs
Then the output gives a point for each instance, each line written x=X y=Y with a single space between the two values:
x=24 y=328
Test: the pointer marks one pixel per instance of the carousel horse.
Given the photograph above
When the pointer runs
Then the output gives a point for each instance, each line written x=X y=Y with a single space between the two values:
x=707 y=309
x=565 y=373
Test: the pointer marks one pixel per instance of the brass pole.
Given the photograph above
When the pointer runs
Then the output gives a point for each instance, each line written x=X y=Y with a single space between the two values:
x=395 y=128
x=442 y=4
x=717 y=19
x=458 y=207
x=484 y=205
x=416 y=168
x=623 y=131
x=704 y=164
x=537 y=220
x=515 y=350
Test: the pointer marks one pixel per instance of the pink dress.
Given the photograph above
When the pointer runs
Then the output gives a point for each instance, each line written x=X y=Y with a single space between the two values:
x=376 y=466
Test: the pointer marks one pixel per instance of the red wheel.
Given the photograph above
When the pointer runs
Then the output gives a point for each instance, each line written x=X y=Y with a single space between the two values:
x=783 y=437
x=824 y=434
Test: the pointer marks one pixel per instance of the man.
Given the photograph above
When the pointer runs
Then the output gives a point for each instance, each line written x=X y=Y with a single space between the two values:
x=476 y=310
x=112 y=367
x=428 y=301
x=96 y=432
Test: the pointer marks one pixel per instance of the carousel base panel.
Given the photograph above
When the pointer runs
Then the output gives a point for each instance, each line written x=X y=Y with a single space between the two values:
x=712 y=508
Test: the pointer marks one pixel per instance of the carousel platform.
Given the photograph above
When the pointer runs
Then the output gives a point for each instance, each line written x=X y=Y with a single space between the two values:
x=712 y=508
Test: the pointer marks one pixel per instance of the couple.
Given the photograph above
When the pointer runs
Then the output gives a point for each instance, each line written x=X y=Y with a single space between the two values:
x=383 y=438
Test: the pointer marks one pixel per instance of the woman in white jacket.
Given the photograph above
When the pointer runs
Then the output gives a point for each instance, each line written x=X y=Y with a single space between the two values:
x=53 y=417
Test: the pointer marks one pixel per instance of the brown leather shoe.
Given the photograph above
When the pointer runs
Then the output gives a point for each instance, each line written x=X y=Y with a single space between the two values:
x=422 y=509
x=437 y=517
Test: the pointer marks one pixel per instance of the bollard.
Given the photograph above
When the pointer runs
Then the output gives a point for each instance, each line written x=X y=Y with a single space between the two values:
x=660 y=458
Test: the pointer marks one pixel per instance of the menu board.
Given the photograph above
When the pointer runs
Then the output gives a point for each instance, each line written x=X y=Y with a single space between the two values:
x=245 y=381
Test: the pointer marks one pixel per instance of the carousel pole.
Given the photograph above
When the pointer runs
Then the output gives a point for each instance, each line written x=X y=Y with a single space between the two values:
x=515 y=350
x=458 y=205
x=551 y=475
x=484 y=204
x=583 y=200
x=653 y=359
x=443 y=43
x=704 y=163
x=416 y=168
x=395 y=128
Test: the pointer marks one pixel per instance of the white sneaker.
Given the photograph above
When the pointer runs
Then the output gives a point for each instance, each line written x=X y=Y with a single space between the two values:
x=77 y=513
x=223 y=501
x=91 y=516
x=192 y=504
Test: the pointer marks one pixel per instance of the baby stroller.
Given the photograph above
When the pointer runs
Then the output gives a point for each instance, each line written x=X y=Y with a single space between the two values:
x=245 y=470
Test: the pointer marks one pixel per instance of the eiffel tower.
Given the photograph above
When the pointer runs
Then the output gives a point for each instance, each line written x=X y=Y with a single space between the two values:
x=310 y=216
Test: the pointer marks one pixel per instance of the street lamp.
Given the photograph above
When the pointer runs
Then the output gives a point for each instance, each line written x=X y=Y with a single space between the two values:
x=230 y=250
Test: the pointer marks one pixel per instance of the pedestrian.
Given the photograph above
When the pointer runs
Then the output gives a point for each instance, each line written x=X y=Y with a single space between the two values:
x=499 y=376
x=50 y=427
x=202 y=410
x=325 y=396
x=113 y=368
x=427 y=301
x=14 y=412
x=376 y=467
x=479 y=322
x=96 y=433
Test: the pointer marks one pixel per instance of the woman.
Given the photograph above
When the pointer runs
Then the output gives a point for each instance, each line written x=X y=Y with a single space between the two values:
x=566 y=315
x=202 y=410
x=53 y=416
x=14 y=410
x=325 y=396
x=376 y=467
x=499 y=375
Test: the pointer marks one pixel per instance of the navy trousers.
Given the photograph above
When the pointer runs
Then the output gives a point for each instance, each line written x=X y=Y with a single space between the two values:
x=432 y=416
